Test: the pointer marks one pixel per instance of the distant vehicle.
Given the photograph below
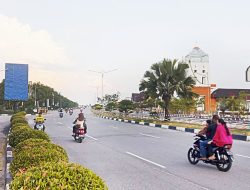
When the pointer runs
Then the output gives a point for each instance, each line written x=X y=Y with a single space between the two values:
x=61 y=114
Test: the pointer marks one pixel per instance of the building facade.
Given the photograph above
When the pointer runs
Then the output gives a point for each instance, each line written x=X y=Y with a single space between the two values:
x=198 y=62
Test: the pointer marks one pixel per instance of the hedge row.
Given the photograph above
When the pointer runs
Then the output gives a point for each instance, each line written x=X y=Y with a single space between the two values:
x=40 y=164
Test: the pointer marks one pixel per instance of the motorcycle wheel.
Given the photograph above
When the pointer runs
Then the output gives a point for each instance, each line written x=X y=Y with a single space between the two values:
x=80 y=140
x=192 y=156
x=225 y=163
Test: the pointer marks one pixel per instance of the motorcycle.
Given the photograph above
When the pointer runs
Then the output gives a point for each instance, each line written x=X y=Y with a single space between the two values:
x=70 y=112
x=79 y=135
x=223 y=156
x=61 y=114
x=39 y=125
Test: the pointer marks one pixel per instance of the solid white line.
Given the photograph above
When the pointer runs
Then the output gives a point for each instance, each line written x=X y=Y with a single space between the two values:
x=91 y=137
x=146 y=160
x=149 y=135
x=60 y=123
x=242 y=156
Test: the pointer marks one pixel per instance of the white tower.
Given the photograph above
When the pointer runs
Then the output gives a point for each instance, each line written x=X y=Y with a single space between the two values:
x=198 y=66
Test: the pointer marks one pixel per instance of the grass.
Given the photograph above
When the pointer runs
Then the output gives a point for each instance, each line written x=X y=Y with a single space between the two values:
x=177 y=124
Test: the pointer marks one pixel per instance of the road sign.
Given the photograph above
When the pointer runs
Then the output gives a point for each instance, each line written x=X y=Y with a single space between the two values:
x=248 y=74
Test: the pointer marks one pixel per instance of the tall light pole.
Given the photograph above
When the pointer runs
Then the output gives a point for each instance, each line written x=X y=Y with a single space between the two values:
x=102 y=73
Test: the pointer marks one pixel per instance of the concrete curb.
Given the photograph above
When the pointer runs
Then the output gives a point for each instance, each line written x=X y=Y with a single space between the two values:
x=9 y=158
x=183 y=129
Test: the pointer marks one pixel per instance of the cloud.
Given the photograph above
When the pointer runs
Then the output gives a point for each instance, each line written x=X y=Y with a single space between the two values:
x=21 y=44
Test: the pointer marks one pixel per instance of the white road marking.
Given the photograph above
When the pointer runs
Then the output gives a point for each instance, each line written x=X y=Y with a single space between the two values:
x=150 y=135
x=91 y=137
x=243 y=156
x=146 y=160
x=60 y=123
x=168 y=173
x=87 y=135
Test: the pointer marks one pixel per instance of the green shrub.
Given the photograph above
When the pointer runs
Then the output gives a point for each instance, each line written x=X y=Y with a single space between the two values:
x=35 y=157
x=20 y=135
x=59 y=176
x=16 y=117
x=31 y=143
x=19 y=127
x=18 y=124
x=18 y=120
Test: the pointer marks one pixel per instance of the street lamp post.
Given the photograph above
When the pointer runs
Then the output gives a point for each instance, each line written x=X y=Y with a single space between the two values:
x=102 y=73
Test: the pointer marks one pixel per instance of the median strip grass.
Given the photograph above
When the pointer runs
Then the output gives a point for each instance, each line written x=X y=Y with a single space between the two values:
x=171 y=123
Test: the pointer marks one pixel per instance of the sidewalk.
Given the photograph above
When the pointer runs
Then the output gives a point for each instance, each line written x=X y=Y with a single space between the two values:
x=4 y=127
x=2 y=161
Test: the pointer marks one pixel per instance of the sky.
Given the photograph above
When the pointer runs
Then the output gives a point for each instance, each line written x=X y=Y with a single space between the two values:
x=63 y=40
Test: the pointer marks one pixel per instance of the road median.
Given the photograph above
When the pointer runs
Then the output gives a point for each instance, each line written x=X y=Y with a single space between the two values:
x=137 y=121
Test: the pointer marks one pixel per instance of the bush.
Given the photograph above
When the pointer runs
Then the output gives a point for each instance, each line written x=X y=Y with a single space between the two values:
x=35 y=157
x=19 y=127
x=20 y=135
x=59 y=176
x=18 y=120
x=18 y=124
x=16 y=117
x=29 y=144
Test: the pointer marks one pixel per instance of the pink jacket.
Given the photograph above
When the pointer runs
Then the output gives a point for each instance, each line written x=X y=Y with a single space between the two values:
x=221 y=138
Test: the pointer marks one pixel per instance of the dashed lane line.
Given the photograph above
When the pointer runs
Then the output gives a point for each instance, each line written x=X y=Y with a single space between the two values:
x=149 y=135
x=146 y=160
x=242 y=156
x=87 y=135
x=91 y=137
x=168 y=173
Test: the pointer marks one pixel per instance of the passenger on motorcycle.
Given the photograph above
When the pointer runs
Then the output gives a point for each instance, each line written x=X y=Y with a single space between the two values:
x=80 y=123
x=221 y=138
x=39 y=119
x=210 y=132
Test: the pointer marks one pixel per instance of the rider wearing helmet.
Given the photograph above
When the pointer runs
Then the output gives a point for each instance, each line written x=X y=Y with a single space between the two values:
x=39 y=119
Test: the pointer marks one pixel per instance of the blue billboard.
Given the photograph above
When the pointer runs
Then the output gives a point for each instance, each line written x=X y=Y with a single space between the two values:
x=16 y=82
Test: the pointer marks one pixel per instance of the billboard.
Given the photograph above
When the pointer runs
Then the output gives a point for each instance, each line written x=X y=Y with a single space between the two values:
x=16 y=82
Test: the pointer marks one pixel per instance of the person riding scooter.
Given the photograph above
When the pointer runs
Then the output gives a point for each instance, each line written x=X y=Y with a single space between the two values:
x=79 y=123
x=39 y=119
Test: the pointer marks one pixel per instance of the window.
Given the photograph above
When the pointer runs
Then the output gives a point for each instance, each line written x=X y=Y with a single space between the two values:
x=203 y=71
x=195 y=71
x=203 y=80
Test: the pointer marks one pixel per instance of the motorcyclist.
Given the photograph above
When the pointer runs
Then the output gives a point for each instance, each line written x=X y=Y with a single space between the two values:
x=79 y=123
x=60 y=112
x=210 y=132
x=71 y=111
x=222 y=137
x=39 y=119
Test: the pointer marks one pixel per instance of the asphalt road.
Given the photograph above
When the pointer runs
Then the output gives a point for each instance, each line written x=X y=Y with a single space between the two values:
x=129 y=156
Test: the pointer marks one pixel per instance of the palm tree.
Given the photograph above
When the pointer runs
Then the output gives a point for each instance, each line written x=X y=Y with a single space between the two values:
x=165 y=79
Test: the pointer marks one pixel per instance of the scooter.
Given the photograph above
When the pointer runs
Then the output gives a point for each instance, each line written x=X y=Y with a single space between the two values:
x=39 y=126
x=61 y=114
x=79 y=135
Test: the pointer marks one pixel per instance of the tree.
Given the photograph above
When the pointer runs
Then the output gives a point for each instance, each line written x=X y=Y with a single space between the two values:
x=125 y=105
x=165 y=79
x=110 y=106
x=109 y=98
x=223 y=105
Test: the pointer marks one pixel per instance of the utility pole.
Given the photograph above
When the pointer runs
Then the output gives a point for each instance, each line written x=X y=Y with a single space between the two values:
x=102 y=74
